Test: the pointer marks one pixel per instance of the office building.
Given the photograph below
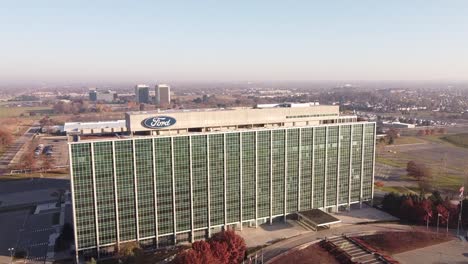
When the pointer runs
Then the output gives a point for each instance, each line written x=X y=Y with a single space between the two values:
x=92 y=94
x=162 y=95
x=97 y=96
x=184 y=175
x=142 y=94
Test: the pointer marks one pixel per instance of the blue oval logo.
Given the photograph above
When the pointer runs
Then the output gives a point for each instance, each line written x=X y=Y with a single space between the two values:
x=159 y=122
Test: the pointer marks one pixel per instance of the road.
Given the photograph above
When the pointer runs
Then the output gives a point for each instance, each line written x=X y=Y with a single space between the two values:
x=10 y=153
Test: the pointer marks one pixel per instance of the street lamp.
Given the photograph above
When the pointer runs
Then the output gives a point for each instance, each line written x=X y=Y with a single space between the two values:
x=11 y=254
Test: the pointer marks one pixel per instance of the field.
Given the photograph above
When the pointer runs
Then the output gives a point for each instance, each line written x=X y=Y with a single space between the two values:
x=460 y=140
x=6 y=112
x=441 y=153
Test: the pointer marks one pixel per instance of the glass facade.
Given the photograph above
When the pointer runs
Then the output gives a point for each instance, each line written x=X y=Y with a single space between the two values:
x=178 y=188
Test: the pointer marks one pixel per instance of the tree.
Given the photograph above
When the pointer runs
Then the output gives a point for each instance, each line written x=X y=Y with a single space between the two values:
x=188 y=256
x=407 y=208
x=235 y=243
x=220 y=251
x=392 y=134
x=67 y=232
x=201 y=252
x=223 y=248
x=65 y=239
x=418 y=171
x=28 y=161
x=129 y=251
x=426 y=206
x=436 y=198
x=391 y=203
x=91 y=261
x=204 y=248
x=5 y=138
x=443 y=212
x=47 y=162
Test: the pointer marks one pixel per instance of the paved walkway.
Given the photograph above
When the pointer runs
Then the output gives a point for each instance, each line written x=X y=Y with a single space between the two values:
x=266 y=233
x=364 y=215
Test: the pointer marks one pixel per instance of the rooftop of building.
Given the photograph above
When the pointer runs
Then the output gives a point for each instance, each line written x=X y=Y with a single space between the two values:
x=76 y=126
x=258 y=106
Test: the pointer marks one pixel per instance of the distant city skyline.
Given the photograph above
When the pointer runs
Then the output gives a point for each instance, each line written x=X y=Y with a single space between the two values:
x=125 y=41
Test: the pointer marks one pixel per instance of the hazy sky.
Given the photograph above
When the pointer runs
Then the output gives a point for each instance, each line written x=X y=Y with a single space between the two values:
x=140 y=40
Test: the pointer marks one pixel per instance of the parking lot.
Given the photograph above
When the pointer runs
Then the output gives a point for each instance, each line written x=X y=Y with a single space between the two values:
x=25 y=228
x=58 y=149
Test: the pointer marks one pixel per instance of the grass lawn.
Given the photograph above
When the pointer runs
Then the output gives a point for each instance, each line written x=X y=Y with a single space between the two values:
x=446 y=160
x=398 y=242
x=460 y=140
x=390 y=161
x=408 y=140
x=399 y=189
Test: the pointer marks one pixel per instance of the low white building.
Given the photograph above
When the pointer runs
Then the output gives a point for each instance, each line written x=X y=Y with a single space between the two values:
x=90 y=128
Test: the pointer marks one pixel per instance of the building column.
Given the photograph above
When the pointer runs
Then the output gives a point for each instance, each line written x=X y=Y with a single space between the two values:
x=373 y=164
x=256 y=179
x=135 y=183
x=224 y=185
x=285 y=173
x=95 y=200
x=299 y=167
x=362 y=164
x=155 y=190
x=325 y=170
x=208 y=182
x=271 y=177
x=116 y=197
x=191 y=190
x=313 y=169
x=240 y=180
x=350 y=166
x=338 y=170
x=173 y=191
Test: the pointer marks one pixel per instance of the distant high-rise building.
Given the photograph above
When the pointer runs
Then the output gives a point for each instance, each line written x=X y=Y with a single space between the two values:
x=142 y=93
x=106 y=96
x=163 y=95
x=93 y=94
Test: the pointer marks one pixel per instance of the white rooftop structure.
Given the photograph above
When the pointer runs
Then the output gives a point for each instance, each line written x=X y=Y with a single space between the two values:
x=99 y=127
x=291 y=105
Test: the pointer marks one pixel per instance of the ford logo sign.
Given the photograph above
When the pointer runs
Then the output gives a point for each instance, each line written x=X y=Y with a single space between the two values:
x=159 y=122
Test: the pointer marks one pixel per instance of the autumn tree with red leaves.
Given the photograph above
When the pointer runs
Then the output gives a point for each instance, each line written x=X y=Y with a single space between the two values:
x=443 y=212
x=236 y=245
x=223 y=248
x=5 y=138
x=418 y=171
